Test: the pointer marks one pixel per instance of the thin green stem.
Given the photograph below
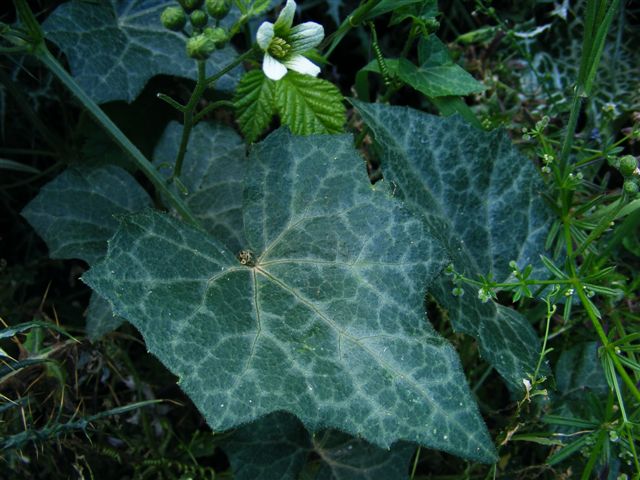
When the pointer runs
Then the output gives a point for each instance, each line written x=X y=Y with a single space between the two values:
x=114 y=132
x=171 y=101
x=188 y=123
x=245 y=56
x=571 y=129
x=551 y=309
x=605 y=342
x=210 y=108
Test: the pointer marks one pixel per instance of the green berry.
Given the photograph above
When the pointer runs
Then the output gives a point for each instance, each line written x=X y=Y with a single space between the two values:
x=190 y=5
x=198 y=18
x=173 y=18
x=200 y=47
x=217 y=35
x=218 y=9
x=628 y=165
x=631 y=187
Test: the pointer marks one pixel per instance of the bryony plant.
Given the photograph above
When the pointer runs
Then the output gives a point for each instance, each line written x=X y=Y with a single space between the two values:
x=284 y=45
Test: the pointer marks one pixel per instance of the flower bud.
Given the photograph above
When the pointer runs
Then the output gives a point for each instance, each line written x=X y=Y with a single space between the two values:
x=190 y=5
x=218 y=9
x=200 y=47
x=173 y=18
x=628 y=165
x=631 y=187
x=198 y=18
x=218 y=35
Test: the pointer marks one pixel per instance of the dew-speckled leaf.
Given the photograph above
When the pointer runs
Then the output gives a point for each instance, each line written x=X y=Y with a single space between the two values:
x=76 y=212
x=212 y=172
x=278 y=446
x=328 y=324
x=100 y=318
x=309 y=105
x=483 y=199
x=114 y=47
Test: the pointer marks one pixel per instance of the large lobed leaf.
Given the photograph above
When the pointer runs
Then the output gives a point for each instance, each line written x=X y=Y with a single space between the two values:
x=326 y=321
x=76 y=213
x=482 y=198
x=278 y=446
x=115 y=47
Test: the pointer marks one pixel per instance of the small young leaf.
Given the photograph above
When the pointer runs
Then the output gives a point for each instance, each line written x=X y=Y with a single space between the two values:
x=255 y=103
x=309 y=105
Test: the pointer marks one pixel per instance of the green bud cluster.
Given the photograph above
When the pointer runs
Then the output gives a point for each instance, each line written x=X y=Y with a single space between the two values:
x=198 y=11
x=628 y=165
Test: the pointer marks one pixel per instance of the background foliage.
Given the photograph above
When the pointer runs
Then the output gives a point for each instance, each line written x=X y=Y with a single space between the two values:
x=82 y=397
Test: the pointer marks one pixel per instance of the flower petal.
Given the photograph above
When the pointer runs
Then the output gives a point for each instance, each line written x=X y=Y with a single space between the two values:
x=265 y=35
x=272 y=68
x=285 y=19
x=302 y=65
x=305 y=36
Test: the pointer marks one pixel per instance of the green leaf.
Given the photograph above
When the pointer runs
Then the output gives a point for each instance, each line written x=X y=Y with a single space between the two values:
x=76 y=212
x=309 y=105
x=100 y=318
x=275 y=446
x=437 y=75
x=327 y=319
x=481 y=196
x=255 y=103
x=278 y=446
x=386 y=6
x=115 y=47
x=213 y=172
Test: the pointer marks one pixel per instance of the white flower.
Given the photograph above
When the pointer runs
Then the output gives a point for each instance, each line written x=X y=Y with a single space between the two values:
x=283 y=45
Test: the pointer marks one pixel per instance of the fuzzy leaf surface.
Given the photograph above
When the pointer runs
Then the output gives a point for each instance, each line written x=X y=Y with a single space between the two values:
x=278 y=446
x=255 y=103
x=309 y=105
x=100 y=318
x=76 y=212
x=482 y=198
x=115 y=47
x=328 y=323
x=212 y=172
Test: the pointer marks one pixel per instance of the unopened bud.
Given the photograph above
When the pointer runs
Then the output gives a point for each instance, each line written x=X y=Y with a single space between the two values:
x=200 y=47
x=218 y=35
x=173 y=18
x=628 y=165
x=190 y=5
x=218 y=9
x=198 y=18
x=631 y=187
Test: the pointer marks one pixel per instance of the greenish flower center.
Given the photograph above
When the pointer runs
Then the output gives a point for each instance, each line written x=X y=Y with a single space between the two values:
x=279 y=48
